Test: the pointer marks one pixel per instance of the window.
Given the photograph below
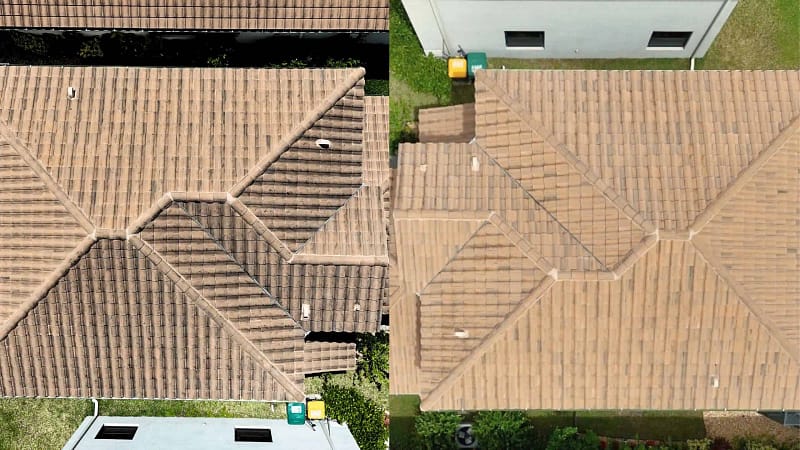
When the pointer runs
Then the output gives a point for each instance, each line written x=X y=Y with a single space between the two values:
x=669 y=39
x=120 y=432
x=528 y=39
x=252 y=434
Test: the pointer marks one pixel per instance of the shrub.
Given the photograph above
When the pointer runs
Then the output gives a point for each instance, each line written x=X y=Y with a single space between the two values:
x=502 y=430
x=567 y=438
x=91 y=49
x=437 y=430
x=698 y=444
x=30 y=43
x=363 y=416
x=373 y=364
x=721 y=443
x=759 y=446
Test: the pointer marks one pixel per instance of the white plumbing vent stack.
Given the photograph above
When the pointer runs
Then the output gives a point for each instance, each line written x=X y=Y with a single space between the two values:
x=323 y=144
x=461 y=334
x=476 y=165
x=357 y=307
x=71 y=93
x=714 y=381
x=306 y=310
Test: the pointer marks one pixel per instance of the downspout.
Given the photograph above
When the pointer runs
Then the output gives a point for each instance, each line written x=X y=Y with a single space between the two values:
x=705 y=35
x=89 y=426
x=327 y=432
x=438 y=20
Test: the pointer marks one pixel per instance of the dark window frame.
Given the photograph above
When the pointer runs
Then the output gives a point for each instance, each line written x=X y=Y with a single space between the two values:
x=252 y=434
x=524 y=39
x=117 y=432
x=669 y=39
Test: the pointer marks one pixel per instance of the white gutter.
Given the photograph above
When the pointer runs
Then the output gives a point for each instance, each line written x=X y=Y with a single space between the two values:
x=327 y=432
x=438 y=20
x=705 y=35
x=89 y=425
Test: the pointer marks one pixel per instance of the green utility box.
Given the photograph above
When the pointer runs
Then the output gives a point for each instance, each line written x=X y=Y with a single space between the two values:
x=296 y=413
x=476 y=61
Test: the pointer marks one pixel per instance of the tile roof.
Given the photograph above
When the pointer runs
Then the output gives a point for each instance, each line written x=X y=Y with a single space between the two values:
x=151 y=248
x=253 y=15
x=629 y=239
x=447 y=124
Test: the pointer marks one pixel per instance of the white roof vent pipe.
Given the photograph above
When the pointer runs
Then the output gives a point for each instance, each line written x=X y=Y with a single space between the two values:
x=323 y=144
x=461 y=333
x=71 y=93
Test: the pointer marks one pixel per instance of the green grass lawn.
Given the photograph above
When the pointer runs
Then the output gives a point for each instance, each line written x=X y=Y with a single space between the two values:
x=656 y=425
x=664 y=426
x=760 y=34
x=27 y=423
x=404 y=409
x=415 y=80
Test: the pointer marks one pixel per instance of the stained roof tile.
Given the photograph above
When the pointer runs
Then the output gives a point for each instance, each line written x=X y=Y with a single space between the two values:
x=170 y=230
x=217 y=15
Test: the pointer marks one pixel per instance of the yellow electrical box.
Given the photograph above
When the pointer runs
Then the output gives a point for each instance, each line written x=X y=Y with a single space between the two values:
x=315 y=409
x=457 y=68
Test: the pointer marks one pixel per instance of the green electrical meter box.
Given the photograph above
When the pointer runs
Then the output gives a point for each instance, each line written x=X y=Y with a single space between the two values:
x=476 y=61
x=296 y=413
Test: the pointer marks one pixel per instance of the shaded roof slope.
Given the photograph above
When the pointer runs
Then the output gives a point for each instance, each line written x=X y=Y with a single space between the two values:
x=205 y=15
x=681 y=190
x=176 y=234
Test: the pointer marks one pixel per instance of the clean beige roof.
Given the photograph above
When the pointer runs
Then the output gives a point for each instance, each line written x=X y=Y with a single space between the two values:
x=163 y=230
x=217 y=15
x=610 y=239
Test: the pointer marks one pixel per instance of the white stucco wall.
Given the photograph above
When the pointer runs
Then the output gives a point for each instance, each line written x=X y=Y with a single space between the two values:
x=573 y=28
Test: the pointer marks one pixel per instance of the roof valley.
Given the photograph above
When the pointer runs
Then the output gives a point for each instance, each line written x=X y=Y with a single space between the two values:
x=186 y=287
x=519 y=185
x=587 y=173
x=222 y=248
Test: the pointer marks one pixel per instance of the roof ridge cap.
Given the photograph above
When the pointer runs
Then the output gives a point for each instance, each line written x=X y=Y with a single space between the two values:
x=517 y=239
x=169 y=271
x=586 y=172
x=511 y=318
x=286 y=142
x=261 y=229
x=703 y=249
x=46 y=285
x=453 y=256
x=44 y=175
x=552 y=216
x=330 y=218
x=234 y=260
x=745 y=176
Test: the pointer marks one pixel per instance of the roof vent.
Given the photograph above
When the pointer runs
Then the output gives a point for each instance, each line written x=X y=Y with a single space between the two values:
x=117 y=432
x=461 y=333
x=714 y=381
x=252 y=434
x=423 y=167
x=476 y=165
x=71 y=93
x=356 y=307
x=306 y=310
x=323 y=144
